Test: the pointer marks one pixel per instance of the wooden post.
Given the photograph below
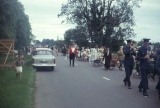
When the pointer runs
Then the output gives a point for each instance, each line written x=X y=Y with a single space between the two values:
x=7 y=46
x=8 y=54
x=4 y=45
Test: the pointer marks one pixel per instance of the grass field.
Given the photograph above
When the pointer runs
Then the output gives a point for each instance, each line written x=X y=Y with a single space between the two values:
x=16 y=92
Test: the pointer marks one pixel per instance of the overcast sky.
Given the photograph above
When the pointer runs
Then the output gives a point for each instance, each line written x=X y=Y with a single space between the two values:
x=45 y=23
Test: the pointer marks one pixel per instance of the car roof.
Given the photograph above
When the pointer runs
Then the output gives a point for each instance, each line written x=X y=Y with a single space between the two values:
x=47 y=49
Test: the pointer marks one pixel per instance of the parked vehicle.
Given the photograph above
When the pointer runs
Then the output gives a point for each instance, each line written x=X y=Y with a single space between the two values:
x=43 y=57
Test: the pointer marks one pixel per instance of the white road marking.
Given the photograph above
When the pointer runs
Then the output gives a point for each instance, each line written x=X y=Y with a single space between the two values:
x=106 y=78
x=65 y=58
x=76 y=65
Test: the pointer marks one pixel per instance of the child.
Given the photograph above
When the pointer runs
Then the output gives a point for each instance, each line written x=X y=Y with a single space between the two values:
x=18 y=55
x=18 y=66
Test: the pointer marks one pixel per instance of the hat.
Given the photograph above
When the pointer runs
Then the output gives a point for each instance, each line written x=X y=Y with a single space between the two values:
x=129 y=41
x=146 y=40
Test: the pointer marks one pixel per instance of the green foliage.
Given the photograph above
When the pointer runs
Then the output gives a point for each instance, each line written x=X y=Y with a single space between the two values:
x=37 y=42
x=157 y=44
x=116 y=44
x=140 y=42
x=77 y=35
x=49 y=42
x=59 y=43
x=14 y=24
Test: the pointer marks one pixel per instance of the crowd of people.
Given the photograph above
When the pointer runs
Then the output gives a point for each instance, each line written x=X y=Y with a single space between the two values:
x=31 y=49
x=103 y=54
x=126 y=57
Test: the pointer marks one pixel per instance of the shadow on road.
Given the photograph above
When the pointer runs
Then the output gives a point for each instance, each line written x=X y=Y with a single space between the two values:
x=44 y=69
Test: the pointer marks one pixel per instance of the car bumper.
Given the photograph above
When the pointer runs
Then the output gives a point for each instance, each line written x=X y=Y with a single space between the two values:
x=43 y=65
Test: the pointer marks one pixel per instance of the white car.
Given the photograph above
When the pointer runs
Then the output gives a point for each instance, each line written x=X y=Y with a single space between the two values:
x=43 y=57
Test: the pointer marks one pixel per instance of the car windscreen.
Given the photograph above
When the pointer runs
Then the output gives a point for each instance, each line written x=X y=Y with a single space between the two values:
x=43 y=52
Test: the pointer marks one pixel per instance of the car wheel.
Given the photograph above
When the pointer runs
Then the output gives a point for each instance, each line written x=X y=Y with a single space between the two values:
x=52 y=68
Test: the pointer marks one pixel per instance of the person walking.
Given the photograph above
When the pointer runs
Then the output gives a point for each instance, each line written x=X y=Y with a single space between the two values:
x=143 y=57
x=54 y=50
x=157 y=68
x=107 y=57
x=57 y=51
x=18 y=66
x=120 y=55
x=72 y=54
x=128 y=62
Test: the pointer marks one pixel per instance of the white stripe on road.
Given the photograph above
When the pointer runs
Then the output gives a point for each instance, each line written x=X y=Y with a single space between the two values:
x=106 y=78
x=76 y=65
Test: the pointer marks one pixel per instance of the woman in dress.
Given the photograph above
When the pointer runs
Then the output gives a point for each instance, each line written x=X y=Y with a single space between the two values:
x=107 y=57
x=85 y=55
x=120 y=55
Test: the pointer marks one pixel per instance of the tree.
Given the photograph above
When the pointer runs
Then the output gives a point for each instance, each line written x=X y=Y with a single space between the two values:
x=14 y=23
x=77 y=35
x=157 y=45
x=140 y=43
x=59 y=44
x=104 y=19
x=48 y=42
x=38 y=42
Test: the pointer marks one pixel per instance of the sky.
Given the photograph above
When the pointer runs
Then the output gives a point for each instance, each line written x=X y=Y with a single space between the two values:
x=46 y=25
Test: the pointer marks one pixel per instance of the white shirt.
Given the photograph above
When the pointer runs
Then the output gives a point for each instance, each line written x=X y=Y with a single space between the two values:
x=73 y=50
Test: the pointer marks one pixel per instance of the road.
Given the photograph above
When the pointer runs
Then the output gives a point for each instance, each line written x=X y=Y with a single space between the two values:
x=85 y=86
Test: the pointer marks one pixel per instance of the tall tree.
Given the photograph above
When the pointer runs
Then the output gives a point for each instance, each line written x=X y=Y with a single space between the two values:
x=105 y=19
x=14 y=23
x=48 y=42
x=78 y=35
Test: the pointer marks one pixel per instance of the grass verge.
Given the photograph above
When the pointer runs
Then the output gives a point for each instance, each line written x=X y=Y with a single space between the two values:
x=16 y=92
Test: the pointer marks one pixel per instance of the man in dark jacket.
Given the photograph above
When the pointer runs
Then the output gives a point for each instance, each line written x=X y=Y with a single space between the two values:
x=143 y=57
x=157 y=66
x=128 y=62
x=72 y=54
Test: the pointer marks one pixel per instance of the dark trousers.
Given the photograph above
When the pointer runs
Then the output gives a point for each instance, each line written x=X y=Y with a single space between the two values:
x=121 y=63
x=72 y=56
x=144 y=80
x=158 y=85
x=128 y=71
x=137 y=68
x=154 y=72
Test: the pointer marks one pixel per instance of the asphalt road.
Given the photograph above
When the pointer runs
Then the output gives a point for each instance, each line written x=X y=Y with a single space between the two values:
x=85 y=86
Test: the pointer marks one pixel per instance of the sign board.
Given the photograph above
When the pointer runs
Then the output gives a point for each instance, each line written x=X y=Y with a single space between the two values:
x=7 y=46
